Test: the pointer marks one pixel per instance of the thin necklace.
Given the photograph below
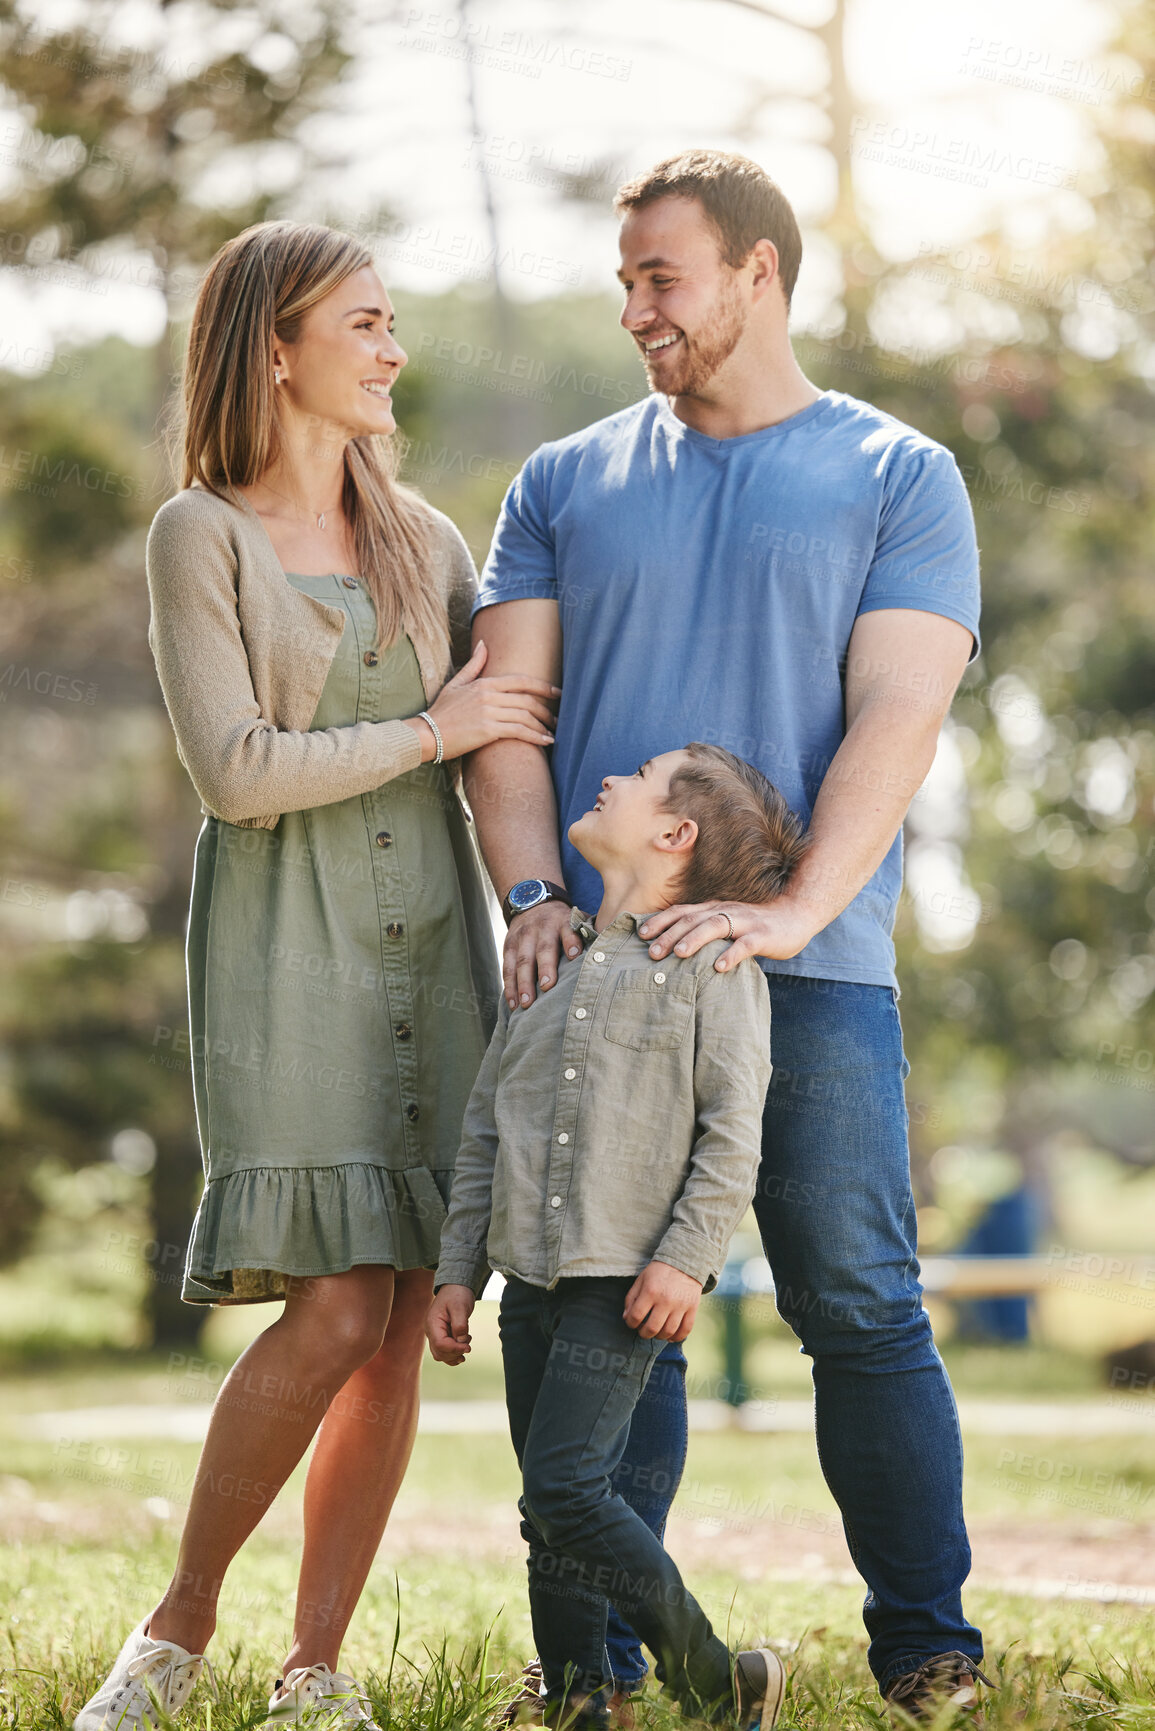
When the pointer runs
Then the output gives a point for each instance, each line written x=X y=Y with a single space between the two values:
x=320 y=515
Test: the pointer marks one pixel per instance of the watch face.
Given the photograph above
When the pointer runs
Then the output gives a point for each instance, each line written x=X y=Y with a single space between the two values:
x=527 y=894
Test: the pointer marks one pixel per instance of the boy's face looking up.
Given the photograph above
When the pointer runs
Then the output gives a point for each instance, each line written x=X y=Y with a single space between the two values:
x=629 y=828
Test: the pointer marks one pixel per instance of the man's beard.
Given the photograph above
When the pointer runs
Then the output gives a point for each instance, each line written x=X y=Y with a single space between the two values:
x=703 y=356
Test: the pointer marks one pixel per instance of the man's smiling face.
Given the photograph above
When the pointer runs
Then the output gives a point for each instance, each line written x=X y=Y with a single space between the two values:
x=684 y=305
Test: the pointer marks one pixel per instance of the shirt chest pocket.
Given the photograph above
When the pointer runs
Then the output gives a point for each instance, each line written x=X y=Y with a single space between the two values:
x=651 y=1011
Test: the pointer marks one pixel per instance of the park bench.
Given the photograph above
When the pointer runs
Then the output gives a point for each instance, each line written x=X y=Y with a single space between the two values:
x=956 y=1276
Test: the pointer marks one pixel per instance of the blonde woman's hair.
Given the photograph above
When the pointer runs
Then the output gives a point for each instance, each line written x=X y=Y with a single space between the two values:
x=259 y=286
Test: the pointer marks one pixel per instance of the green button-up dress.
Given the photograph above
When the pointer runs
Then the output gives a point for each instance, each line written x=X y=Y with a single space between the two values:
x=342 y=988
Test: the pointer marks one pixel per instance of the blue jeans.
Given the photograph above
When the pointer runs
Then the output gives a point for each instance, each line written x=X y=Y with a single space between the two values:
x=648 y=1474
x=574 y=1373
x=837 y=1219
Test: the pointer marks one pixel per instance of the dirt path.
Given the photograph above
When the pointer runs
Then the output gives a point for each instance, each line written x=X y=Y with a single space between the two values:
x=1098 y=1560
x=1046 y=1560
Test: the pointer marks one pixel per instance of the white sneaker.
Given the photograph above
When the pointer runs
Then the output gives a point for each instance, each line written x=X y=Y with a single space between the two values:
x=314 y=1697
x=147 y=1674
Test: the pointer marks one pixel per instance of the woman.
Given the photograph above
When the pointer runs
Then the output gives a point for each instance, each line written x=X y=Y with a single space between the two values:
x=340 y=959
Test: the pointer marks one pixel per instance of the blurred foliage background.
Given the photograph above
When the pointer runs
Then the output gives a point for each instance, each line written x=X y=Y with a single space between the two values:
x=1025 y=934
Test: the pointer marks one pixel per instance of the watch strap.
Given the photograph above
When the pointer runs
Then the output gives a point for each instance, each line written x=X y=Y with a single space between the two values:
x=555 y=893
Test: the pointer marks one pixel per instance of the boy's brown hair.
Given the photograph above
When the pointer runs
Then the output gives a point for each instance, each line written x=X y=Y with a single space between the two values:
x=738 y=196
x=749 y=841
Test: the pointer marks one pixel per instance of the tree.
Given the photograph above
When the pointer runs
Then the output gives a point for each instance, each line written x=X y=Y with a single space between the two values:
x=136 y=163
x=1025 y=938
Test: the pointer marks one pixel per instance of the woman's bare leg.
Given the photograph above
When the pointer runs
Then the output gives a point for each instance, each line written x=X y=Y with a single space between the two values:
x=362 y=1451
x=267 y=1411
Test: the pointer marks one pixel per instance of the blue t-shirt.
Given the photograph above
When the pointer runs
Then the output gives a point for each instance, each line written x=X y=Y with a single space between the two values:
x=707 y=590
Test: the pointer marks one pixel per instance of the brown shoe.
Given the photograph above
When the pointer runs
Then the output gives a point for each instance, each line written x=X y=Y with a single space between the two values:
x=621 y=1712
x=759 y=1686
x=526 y=1706
x=574 y=1712
x=946 y=1677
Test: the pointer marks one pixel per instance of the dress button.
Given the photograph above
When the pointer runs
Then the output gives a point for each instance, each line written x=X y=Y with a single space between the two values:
x=412 y=1112
x=580 y=1014
x=370 y=658
x=394 y=929
x=563 y=1138
x=349 y=582
x=570 y=1074
x=384 y=839
x=403 y=1031
x=659 y=979
x=599 y=955
x=555 y=1201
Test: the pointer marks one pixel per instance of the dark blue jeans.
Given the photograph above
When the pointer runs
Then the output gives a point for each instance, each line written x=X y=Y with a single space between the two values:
x=574 y=1373
x=648 y=1474
x=837 y=1219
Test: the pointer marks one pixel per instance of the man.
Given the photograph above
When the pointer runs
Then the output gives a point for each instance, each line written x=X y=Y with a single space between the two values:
x=792 y=575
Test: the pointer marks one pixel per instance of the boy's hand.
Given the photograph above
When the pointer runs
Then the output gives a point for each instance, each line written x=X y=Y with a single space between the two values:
x=447 y=1324
x=662 y=1304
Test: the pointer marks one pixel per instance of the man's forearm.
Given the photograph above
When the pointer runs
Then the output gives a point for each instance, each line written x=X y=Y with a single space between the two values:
x=902 y=668
x=510 y=790
x=874 y=775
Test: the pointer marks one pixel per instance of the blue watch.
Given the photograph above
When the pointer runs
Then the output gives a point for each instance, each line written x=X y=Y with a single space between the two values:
x=530 y=893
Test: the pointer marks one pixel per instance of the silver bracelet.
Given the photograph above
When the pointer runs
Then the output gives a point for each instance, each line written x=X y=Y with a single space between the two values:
x=424 y=715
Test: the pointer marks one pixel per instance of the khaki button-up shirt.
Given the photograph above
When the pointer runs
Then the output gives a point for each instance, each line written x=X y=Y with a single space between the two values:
x=614 y=1121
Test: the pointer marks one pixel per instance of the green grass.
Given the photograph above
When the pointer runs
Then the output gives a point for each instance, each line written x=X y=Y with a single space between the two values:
x=98 y=1546
x=439 y=1644
x=89 y=1533
x=1007 y=1478
x=1016 y=1479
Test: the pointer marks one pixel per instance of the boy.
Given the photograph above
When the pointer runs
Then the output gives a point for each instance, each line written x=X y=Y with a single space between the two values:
x=609 y=1151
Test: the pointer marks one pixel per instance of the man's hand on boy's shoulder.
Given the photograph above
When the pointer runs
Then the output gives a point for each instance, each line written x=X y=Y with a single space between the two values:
x=447 y=1324
x=533 y=946
x=662 y=1304
x=777 y=930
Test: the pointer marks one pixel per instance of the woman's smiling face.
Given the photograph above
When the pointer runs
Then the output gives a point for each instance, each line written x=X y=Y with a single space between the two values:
x=342 y=369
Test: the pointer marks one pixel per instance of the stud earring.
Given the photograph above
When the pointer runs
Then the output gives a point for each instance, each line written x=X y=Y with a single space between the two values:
x=276 y=375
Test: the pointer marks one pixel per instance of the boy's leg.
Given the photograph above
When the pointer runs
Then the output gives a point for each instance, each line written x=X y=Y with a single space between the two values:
x=835 y=1210
x=596 y=1370
x=569 y=1618
x=648 y=1477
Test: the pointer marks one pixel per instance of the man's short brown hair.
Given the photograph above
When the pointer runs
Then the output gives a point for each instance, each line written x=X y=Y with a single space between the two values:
x=740 y=199
x=749 y=841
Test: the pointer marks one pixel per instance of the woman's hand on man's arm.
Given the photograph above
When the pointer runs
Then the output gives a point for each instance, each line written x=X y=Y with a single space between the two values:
x=474 y=709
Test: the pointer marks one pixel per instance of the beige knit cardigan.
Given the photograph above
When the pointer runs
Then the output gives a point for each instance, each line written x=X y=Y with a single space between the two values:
x=242 y=658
